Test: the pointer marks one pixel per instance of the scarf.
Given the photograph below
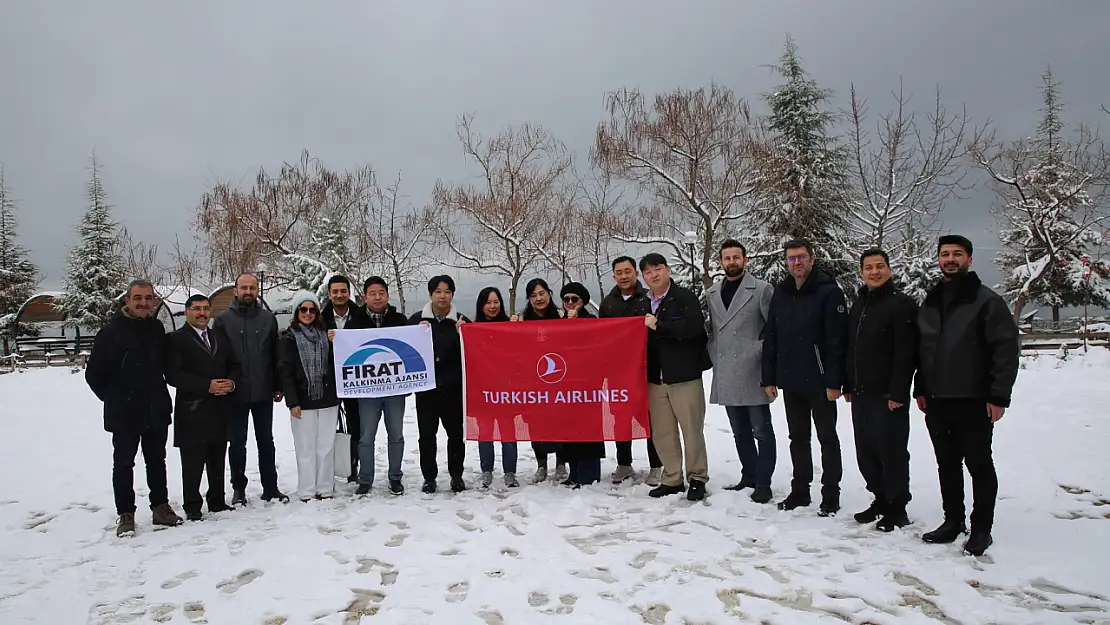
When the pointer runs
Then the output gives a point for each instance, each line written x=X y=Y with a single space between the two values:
x=376 y=318
x=312 y=346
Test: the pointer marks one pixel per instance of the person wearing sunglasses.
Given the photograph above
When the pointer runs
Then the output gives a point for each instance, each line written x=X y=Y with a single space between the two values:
x=308 y=379
x=584 y=459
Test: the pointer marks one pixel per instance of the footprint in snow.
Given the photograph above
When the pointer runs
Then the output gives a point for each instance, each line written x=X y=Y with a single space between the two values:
x=464 y=515
x=365 y=603
x=162 y=613
x=643 y=559
x=512 y=553
x=338 y=557
x=655 y=614
x=542 y=602
x=178 y=580
x=401 y=525
x=194 y=612
x=38 y=519
x=450 y=552
x=456 y=593
x=599 y=573
x=235 y=546
x=490 y=617
x=396 y=540
x=229 y=586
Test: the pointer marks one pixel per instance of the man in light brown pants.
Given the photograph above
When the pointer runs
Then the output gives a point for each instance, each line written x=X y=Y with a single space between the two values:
x=676 y=358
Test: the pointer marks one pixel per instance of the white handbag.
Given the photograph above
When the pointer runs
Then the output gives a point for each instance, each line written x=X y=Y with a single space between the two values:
x=342 y=449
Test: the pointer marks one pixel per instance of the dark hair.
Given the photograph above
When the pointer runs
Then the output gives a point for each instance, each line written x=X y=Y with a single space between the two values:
x=727 y=243
x=336 y=279
x=146 y=284
x=795 y=244
x=874 y=252
x=380 y=281
x=317 y=323
x=533 y=283
x=196 y=297
x=483 y=298
x=623 y=259
x=434 y=283
x=654 y=259
x=955 y=239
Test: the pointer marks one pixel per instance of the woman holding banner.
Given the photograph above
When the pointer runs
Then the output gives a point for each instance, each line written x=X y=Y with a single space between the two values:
x=489 y=309
x=308 y=381
x=584 y=458
x=539 y=308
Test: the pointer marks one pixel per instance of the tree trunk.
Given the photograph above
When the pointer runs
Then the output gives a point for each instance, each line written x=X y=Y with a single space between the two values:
x=400 y=287
x=1019 y=303
x=1056 y=315
x=512 y=294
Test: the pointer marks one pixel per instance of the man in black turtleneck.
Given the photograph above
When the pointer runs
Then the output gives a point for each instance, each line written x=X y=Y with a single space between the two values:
x=968 y=363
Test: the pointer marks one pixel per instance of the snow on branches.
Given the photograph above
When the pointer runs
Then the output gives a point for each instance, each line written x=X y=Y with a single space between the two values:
x=18 y=275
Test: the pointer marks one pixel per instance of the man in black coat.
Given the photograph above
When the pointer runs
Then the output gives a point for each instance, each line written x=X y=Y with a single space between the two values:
x=203 y=370
x=677 y=354
x=882 y=356
x=803 y=354
x=126 y=371
x=628 y=298
x=340 y=313
x=968 y=364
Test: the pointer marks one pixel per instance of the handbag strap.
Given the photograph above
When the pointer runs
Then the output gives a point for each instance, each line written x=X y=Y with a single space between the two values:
x=342 y=426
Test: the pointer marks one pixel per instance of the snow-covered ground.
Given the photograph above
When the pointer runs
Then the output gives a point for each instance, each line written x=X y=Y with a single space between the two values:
x=543 y=554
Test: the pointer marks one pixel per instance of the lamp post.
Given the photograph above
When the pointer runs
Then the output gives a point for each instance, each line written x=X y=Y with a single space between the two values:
x=261 y=280
x=691 y=239
x=1087 y=281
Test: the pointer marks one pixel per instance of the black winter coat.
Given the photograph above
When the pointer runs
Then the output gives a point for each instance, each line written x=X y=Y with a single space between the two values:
x=252 y=333
x=199 y=416
x=970 y=345
x=126 y=370
x=882 y=344
x=614 y=304
x=574 y=452
x=356 y=316
x=446 y=345
x=677 y=349
x=804 y=338
x=294 y=380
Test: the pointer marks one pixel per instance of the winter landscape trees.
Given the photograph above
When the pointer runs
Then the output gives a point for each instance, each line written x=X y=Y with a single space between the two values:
x=18 y=275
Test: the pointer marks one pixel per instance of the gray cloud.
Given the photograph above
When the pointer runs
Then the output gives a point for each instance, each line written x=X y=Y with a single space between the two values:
x=174 y=96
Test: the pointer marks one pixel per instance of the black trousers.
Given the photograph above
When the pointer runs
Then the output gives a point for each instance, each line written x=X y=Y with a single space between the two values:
x=124 y=448
x=624 y=454
x=440 y=406
x=198 y=459
x=542 y=450
x=963 y=433
x=802 y=409
x=354 y=428
x=882 y=448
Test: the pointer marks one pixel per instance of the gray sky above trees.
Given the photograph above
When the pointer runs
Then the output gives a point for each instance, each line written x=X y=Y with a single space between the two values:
x=174 y=96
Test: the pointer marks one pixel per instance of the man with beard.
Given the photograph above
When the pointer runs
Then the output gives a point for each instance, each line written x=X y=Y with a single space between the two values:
x=629 y=299
x=252 y=334
x=738 y=309
x=803 y=354
x=968 y=364
x=126 y=371
x=339 y=314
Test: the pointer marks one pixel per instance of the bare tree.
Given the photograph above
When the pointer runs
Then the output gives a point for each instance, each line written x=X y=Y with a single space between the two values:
x=140 y=260
x=187 y=268
x=557 y=240
x=602 y=205
x=393 y=236
x=492 y=224
x=691 y=152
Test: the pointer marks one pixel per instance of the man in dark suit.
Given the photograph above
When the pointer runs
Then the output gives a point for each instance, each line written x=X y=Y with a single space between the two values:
x=203 y=369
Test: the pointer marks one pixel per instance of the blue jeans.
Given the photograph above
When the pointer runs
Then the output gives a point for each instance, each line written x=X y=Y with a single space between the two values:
x=755 y=442
x=508 y=456
x=263 y=413
x=370 y=411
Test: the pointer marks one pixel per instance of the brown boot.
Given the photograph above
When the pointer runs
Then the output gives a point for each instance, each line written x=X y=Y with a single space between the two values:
x=126 y=526
x=164 y=515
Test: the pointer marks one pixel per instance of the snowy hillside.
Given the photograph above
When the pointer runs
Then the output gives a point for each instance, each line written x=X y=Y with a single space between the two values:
x=542 y=554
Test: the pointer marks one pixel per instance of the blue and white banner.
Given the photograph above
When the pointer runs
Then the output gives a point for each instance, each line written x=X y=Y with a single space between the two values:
x=384 y=361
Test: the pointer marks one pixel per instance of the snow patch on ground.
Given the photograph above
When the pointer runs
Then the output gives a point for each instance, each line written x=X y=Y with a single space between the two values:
x=602 y=554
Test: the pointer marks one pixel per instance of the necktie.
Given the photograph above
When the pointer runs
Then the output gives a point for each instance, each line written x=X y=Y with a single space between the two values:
x=204 y=337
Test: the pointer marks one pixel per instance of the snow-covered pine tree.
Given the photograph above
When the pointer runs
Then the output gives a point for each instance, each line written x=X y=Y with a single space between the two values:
x=805 y=176
x=1050 y=222
x=329 y=253
x=18 y=275
x=95 y=275
x=915 y=262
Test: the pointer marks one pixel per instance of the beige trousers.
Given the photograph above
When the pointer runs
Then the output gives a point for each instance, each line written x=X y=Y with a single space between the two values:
x=676 y=408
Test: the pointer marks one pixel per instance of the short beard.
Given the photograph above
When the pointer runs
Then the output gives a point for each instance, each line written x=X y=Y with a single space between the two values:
x=733 y=272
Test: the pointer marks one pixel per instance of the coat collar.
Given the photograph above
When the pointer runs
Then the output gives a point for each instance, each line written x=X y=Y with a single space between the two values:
x=427 y=313
x=884 y=290
x=744 y=293
x=639 y=291
x=966 y=288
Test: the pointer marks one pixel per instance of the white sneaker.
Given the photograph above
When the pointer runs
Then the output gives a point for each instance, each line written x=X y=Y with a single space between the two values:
x=540 y=476
x=486 y=479
x=561 y=473
x=622 y=473
x=655 y=477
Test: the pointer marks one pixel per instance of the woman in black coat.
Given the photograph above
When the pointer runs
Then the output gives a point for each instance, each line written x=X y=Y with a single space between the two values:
x=584 y=458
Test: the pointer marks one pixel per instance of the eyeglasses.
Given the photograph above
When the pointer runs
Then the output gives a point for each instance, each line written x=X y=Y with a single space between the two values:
x=570 y=299
x=800 y=258
x=200 y=308
x=307 y=310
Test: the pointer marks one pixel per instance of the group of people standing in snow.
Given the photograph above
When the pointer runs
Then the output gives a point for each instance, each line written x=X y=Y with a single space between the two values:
x=797 y=339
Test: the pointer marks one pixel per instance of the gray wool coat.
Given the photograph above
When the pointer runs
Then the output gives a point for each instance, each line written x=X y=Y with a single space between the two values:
x=736 y=343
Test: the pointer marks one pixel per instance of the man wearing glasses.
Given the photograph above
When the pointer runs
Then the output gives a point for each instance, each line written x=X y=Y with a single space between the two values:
x=803 y=355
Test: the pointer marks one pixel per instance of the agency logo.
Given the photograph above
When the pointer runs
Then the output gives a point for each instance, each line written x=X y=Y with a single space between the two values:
x=386 y=363
x=551 y=368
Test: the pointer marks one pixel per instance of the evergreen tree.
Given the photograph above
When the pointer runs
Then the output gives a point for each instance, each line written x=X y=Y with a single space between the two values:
x=18 y=275
x=329 y=253
x=95 y=276
x=915 y=266
x=806 y=176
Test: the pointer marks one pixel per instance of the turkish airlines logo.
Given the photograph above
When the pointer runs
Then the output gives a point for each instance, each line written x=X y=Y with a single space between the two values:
x=551 y=368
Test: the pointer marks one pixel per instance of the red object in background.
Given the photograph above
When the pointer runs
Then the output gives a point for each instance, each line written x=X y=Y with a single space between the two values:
x=565 y=380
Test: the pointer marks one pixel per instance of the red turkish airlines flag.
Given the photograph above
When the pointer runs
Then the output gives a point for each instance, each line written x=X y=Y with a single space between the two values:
x=566 y=380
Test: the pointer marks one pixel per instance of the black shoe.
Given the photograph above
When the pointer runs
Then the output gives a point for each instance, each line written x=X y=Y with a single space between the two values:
x=663 y=490
x=239 y=497
x=829 y=506
x=978 y=543
x=948 y=532
x=219 y=506
x=457 y=485
x=352 y=478
x=429 y=486
x=271 y=495
x=741 y=485
x=794 y=500
x=872 y=513
x=697 y=491
x=363 y=489
x=396 y=487
x=194 y=516
x=893 y=519
x=761 y=494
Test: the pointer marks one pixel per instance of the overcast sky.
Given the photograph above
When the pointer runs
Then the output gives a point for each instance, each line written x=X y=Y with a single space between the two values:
x=174 y=96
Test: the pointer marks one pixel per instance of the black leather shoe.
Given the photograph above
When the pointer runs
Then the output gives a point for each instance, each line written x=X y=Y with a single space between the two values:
x=761 y=494
x=363 y=489
x=271 y=495
x=741 y=485
x=948 y=532
x=396 y=487
x=239 y=497
x=219 y=506
x=872 y=513
x=794 y=500
x=429 y=486
x=663 y=490
x=194 y=516
x=893 y=519
x=978 y=543
x=697 y=491
x=457 y=485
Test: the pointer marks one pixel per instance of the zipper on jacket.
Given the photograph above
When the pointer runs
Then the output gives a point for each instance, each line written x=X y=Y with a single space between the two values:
x=820 y=365
x=855 y=352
